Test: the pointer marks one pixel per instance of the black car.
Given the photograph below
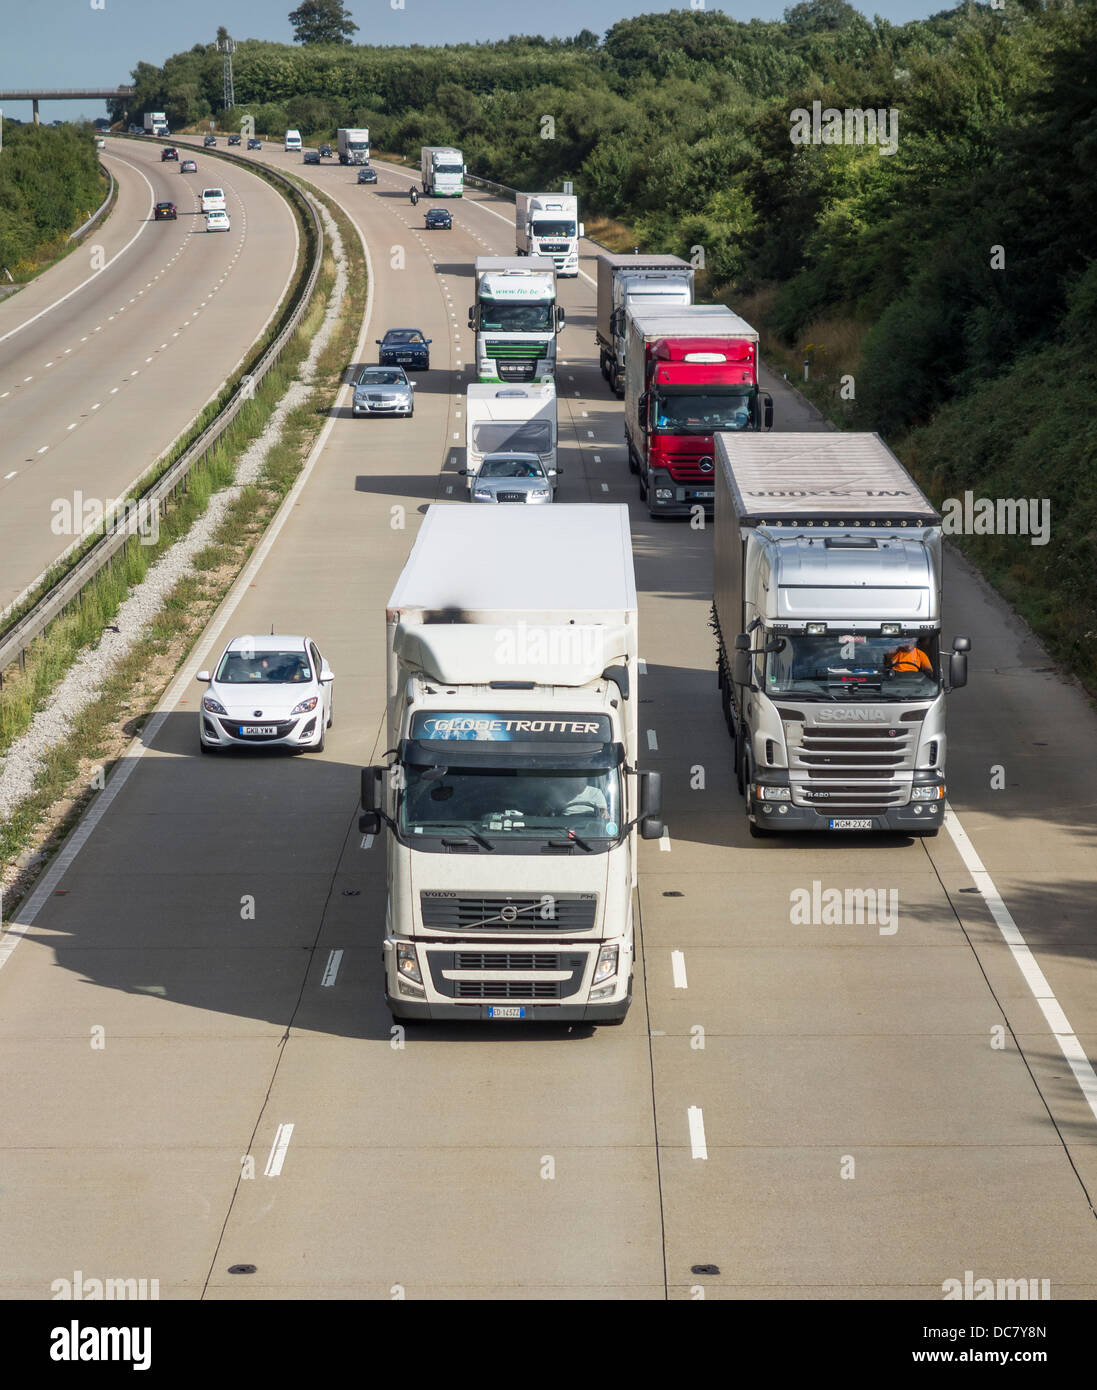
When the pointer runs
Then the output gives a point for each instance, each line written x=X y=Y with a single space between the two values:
x=234 y=139
x=164 y=212
x=367 y=175
x=439 y=217
x=255 y=144
x=169 y=152
x=209 y=140
x=312 y=156
x=404 y=347
x=324 y=151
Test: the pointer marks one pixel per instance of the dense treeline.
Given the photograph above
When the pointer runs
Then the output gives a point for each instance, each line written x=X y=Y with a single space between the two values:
x=49 y=182
x=948 y=273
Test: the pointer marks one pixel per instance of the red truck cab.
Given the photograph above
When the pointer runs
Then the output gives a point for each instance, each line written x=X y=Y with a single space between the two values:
x=689 y=374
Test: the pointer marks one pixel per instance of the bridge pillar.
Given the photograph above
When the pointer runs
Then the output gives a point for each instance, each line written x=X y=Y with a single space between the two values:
x=35 y=104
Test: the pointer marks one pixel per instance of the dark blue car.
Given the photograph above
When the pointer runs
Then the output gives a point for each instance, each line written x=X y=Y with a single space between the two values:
x=440 y=217
x=404 y=347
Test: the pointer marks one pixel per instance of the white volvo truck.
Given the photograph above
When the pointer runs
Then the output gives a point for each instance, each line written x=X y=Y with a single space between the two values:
x=512 y=795
x=827 y=603
x=634 y=285
x=547 y=224
x=510 y=420
x=516 y=318
x=442 y=171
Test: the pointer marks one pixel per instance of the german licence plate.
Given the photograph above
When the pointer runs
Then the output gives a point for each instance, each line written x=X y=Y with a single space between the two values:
x=845 y=824
x=512 y=1011
x=251 y=730
x=703 y=494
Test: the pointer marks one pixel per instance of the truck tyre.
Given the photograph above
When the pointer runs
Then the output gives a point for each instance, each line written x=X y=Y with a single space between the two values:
x=632 y=464
x=642 y=485
x=740 y=760
x=611 y=377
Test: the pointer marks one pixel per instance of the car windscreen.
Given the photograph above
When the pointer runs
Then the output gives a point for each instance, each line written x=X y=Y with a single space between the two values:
x=404 y=335
x=263 y=668
x=511 y=468
x=385 y=378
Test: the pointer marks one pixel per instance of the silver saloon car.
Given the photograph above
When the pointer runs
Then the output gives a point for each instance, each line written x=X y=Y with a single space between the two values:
x=384 y=391
x=513 y=478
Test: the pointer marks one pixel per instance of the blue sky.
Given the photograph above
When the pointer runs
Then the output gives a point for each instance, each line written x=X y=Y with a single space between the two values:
x=69 y=43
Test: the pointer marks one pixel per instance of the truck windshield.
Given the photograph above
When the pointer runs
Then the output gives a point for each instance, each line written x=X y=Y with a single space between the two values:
x=510 y=803
x=448 y=169
x=512 y=436
x=836 y=665
x=516 y=316
x=357 y=144
x=556 y=228
x=704 y=412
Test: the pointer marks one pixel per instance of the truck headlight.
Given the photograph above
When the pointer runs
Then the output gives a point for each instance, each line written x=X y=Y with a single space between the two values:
x=664 y=494
x=407 y=963
x=773 y=793
x=607 y=964
x=931 y=793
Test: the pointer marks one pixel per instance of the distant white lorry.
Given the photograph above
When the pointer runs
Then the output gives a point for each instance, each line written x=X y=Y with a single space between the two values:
x=293 y=141
x=510 y=419
x=352 y=143
x=547 y=224
x=156 y=123
x=442 y=170
x=511 y=792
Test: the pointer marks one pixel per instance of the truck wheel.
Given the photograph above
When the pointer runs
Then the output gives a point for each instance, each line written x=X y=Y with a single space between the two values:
x=756 y=831
x=740 y=759
x=642 y=485
x=632 y=464
x=611 y=377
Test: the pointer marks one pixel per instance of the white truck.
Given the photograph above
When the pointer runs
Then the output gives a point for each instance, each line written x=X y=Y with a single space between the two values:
x=513 y=797
x=516 y=318
x=442 y=171
x=509 y=420
x=634 y=284
x=547 y=224
x=352 y=144
x=827 y=600
x=292 y=142
x=156 y=123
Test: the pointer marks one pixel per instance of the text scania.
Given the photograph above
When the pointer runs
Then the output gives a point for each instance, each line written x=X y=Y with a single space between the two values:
x=76 y=1343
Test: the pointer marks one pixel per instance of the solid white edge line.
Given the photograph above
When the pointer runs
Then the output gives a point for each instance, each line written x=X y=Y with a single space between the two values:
x=697 y=1132
x=24 y=919
x=1034 y=977
x=678 y=969
x=50 y=307
x=282 y=1136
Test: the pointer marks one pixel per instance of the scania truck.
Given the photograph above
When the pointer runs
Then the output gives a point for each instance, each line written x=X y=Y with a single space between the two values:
x=634 y=284
x=547 y=224
x=442 y=171
x=512 y=794
x=510 y=420
x=515 y=318
x=352 y=144
x=827 y=605
x=688 y=373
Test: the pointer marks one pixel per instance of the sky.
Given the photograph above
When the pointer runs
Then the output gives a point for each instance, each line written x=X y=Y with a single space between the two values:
x=71 y=43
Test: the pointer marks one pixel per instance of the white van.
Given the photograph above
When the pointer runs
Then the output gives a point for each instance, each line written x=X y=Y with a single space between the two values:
x=293 y=140
x=213 y=200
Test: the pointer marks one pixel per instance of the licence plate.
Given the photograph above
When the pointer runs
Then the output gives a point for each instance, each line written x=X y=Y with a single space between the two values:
x=513 y=1011
x=703 y=494
x=843 y=824
x=252 y=729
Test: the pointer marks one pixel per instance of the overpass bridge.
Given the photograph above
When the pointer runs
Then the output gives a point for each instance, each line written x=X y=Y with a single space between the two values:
x=37 y=94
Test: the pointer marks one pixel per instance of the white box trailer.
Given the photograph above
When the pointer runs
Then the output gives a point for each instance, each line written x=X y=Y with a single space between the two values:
x=547 y=224
x=352 y=144
x=518 y=419
x=827 y=578
x=442 y=171
x=634 y=285
x=512 y=800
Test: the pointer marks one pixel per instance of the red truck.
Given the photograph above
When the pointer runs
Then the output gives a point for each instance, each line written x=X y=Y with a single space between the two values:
x=689 y=372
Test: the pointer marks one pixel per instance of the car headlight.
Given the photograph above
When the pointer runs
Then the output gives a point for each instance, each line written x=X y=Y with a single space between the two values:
x=607 y=964
x=212 y=706
x=481 y=494
x=407 y=964
x=932 y=793
x=773 y=793
x=305 y=706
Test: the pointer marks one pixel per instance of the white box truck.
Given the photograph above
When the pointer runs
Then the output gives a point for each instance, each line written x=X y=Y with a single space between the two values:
x=352 y=144
x=827 y=599
x=442 y=171
x=156 y=123
x=516 y=318
x=634 y=284
x=547 y=224
x=510 y=420
x=512 y=798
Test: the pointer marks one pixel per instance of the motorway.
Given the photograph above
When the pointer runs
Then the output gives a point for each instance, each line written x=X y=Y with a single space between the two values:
x=107 y=357
x=872 y=1114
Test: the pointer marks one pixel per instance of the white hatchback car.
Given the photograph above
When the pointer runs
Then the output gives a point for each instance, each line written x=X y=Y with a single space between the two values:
x=267 y=690
x=213 y=200
x=217 y=222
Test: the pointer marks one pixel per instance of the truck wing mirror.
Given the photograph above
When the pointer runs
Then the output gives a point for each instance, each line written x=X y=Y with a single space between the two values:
x=559 y=317
x=957 y=663
x=369 y=822
x=582 y=230
x=767 y=412
x=472 y=315
x=651 y=805
x=741 y=673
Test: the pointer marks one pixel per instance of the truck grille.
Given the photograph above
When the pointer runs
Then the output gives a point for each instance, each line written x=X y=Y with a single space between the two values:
x=508 y=960
x=514 y=352
x=687 y=468
x=507 y=989
x=851 y=768
x=445 y=965
x=495 y=912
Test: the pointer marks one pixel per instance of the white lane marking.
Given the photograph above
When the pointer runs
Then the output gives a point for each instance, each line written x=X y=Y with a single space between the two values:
x=586 y=413
x=26 y=379
x=332 y=969
x=653 y=742
x=49 y=364
x=67 y=351
x=96 y=405
x=72 y=426
x=11 y=474
x=278 y=1151
x=43 y=449
x=605 y=487
x=367 y=841
x=697 y=1132
x=678 y=969
x=597 y=458
x=3 y=394
x=1042 y=992
x=664 y=840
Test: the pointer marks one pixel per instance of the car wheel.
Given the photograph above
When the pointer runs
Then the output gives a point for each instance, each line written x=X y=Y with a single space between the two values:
x=203 y=745
x=318 y=746
x=331 y=712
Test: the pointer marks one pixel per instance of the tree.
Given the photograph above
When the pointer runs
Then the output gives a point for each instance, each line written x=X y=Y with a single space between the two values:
x=322 y=21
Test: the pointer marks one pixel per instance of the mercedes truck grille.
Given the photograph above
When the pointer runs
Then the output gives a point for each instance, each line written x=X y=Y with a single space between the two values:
x=495 y=912
x=851 y=768
x=689 y=468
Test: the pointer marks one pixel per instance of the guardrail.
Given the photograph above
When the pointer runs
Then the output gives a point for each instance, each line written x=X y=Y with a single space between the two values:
x=75 y=236
x=15 y=638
